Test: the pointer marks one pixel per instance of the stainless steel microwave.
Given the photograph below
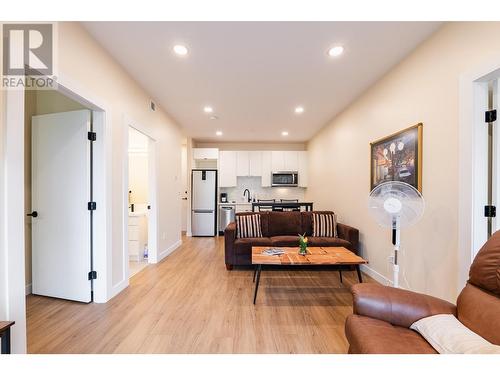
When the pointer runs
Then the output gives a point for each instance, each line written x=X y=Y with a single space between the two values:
x=286 y=178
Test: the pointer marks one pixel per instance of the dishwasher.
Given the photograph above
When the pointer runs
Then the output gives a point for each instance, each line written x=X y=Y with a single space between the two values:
x=226 y=215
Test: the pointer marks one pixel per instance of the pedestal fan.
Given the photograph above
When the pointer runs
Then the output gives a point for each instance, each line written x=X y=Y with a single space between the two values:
x=396 y=205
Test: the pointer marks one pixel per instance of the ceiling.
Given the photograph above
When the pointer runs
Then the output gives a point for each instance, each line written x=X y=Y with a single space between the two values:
x=254 y=74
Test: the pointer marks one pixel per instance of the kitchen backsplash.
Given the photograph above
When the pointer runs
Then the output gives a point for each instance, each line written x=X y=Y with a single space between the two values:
x=256 y=190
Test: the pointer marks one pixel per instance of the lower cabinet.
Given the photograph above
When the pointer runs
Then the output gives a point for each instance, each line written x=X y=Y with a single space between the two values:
x=137 y=236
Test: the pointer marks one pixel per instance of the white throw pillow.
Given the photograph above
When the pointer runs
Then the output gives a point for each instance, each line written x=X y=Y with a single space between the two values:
x=448 y=335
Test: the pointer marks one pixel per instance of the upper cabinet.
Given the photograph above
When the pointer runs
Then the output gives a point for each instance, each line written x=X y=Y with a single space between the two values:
x=227 y=168
x=205 y=153
x=242 y=163
x=291 y=160
x=302 y=168
x=266 y=168
x=255 y=163
x=277 y=161
x=285 y=161
x=261 y=164
x=249 y=163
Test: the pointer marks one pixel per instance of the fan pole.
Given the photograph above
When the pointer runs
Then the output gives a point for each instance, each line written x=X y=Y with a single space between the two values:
x=396 y=243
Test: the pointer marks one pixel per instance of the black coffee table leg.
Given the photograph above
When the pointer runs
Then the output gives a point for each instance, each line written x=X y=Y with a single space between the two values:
x=254 y=273
x=259 y=268
x=5 y=341
x=359 y=273
x=340 y=274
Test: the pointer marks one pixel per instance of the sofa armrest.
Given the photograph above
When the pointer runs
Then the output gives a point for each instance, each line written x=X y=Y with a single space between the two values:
x=350 y=234
x=229 y=238
x=396 y=306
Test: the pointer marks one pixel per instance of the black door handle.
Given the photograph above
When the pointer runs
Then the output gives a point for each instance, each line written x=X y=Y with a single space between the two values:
x=33 y=214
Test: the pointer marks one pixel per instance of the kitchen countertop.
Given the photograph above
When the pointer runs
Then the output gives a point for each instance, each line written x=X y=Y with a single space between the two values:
x=235 y=203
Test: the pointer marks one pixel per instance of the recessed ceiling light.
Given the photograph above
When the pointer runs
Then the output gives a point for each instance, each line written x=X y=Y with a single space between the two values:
x=218 y=133
x=208 y=109
x=180 y=50
x=336 y=51
x=299 y=109
x=284 y=133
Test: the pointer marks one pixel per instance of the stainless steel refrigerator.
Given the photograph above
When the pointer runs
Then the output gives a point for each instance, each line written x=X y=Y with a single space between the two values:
x=203 y=202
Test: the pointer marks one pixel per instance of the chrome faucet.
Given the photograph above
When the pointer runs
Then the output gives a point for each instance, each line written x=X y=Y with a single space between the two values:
x=248 y=199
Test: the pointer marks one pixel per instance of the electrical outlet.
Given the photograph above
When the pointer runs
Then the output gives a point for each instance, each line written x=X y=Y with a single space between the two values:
x=391 y=259
x=164 y=236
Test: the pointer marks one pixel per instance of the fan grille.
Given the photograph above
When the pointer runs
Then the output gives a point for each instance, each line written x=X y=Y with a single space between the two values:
x=411 y=204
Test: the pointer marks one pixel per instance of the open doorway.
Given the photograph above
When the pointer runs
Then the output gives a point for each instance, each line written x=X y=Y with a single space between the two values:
x=58 y=192
x=141 y=228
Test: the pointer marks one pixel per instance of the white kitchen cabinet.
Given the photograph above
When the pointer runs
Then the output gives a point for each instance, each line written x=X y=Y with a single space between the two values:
x=285 y=161
x=137 y=236
x=255 y=163
x=277 y=161
x=227 y=168
x=243 y=207
x=303 y=168
x=205 y=153
x=242 y=163
x=266 y=168
x=291 y=159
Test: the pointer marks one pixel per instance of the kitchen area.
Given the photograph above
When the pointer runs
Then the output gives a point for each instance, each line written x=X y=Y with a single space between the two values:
x=225 y=182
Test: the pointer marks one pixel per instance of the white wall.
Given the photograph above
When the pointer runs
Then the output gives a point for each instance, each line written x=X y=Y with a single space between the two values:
x=422 y=88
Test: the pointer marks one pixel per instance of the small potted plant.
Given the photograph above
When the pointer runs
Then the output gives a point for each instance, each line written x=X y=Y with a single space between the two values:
x=302 y=244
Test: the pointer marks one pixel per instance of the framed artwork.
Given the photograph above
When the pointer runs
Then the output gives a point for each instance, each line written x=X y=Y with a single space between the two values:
x=398 y=157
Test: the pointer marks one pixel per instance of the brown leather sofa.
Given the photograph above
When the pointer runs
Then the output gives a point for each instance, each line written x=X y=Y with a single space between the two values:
x=282 y=229
x=382 y=315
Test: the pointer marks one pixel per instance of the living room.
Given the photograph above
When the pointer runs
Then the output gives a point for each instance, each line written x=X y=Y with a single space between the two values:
x=313 y=187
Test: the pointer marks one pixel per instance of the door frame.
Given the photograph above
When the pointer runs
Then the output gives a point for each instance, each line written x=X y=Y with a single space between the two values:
x=13 y=209
x=472 y=162
x=152 y=194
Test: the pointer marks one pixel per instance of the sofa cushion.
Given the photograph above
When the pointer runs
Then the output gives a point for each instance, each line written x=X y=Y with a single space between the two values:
x=328 y=242
x=324 y=225
x=479 y=310
x=264 y=221
x=448 y=335
x=285 y=223
x=244 y=245
x=307 y=221
x=248 y=226
x=372 y=336
x=485 y=270
x=289 y=241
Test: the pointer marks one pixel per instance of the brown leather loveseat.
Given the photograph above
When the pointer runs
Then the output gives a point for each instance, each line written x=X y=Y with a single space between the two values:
x=382 y=315
x=282 y=229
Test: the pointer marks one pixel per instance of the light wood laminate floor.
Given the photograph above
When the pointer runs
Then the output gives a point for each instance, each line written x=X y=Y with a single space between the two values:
x=189 y=303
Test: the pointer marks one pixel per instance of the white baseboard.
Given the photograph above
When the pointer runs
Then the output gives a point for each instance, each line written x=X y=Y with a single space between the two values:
x=375 y=275
x=116 y=289
x=169 y=251
x=28 y=289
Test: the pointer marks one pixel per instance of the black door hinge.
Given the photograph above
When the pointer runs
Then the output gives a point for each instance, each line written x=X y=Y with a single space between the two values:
x=490 y=211
x=490 y=116
x=92 y=275
x=92 y=136
x=91 y=206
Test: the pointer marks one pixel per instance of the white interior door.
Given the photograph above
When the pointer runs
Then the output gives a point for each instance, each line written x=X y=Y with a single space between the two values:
x=60 y=195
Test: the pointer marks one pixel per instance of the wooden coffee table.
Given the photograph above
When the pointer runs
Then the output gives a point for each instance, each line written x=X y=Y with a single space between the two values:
x=316 y=256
